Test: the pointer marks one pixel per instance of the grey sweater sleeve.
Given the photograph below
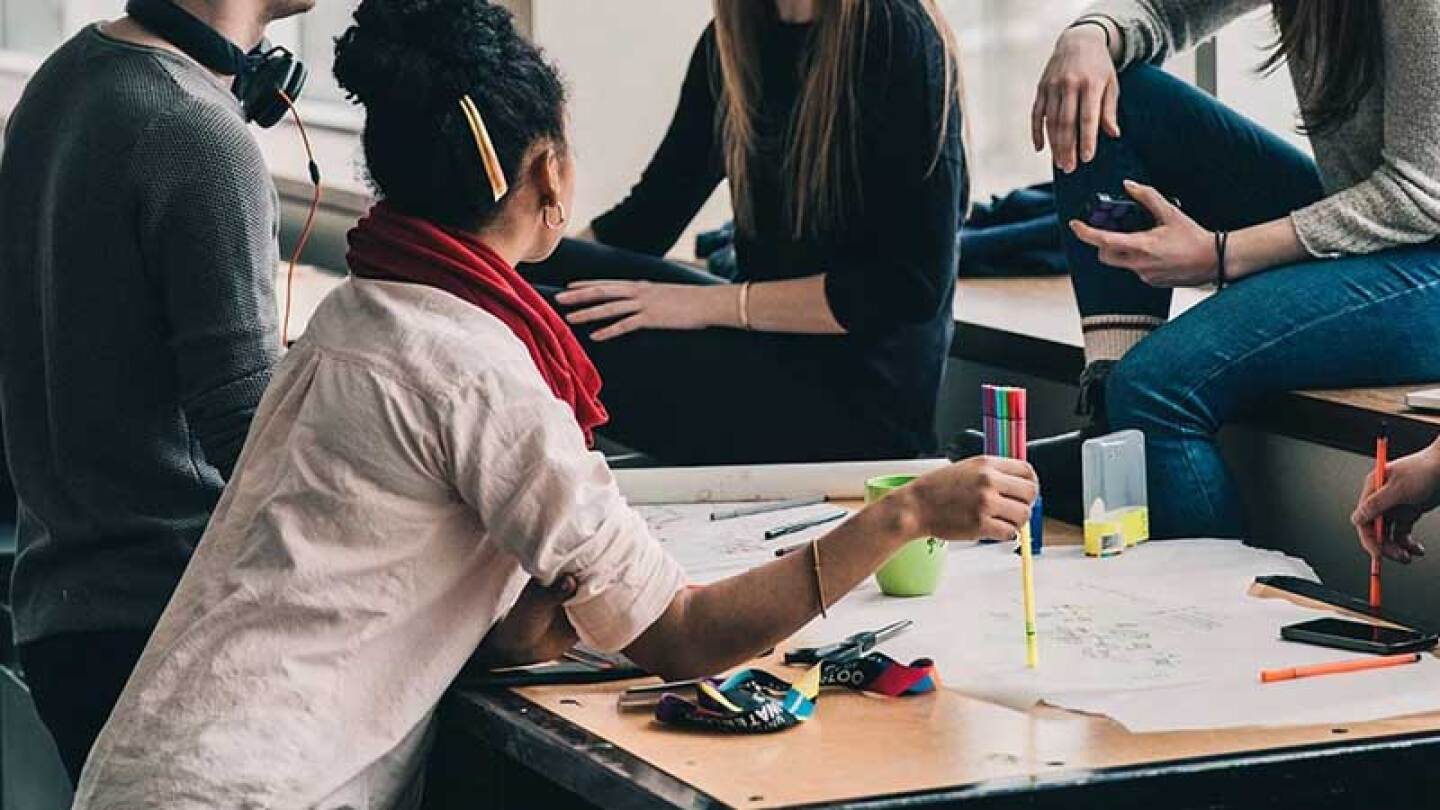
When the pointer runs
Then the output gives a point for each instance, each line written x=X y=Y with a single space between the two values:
x=208 y=227
x=1155 y=30
x=1399 y=202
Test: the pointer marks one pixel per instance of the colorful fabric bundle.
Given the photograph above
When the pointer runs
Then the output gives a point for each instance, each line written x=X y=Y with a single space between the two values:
x=753 y=701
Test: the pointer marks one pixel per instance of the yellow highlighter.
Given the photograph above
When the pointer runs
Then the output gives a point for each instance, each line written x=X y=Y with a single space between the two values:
x=1027 y=576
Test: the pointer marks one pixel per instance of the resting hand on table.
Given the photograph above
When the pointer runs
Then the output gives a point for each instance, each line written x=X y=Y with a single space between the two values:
x=1177 y=252
x=1412 y=488
x=536 y=629
x=632 y=305
x=978 y=497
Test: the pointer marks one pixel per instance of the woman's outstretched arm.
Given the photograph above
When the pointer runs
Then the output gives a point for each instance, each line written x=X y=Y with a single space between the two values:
x=708 y=630
x=515 y=454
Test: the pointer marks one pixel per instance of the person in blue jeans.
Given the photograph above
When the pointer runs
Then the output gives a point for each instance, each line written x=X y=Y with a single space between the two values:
x=1327 y=269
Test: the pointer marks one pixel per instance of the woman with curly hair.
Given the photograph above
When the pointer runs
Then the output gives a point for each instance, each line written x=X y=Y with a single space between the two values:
x=417 y=492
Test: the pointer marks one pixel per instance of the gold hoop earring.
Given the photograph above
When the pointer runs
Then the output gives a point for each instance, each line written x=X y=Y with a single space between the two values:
x=545 y=215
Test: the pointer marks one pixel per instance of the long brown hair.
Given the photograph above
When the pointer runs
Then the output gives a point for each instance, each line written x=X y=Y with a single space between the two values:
x=822 y=158
x=1339 y=44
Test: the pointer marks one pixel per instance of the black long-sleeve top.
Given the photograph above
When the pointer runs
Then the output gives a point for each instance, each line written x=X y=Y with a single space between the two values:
x=890 y=271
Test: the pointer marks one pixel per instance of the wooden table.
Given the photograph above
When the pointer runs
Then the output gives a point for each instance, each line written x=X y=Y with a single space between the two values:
x=1032 y=325
x=550 y=746
x=546 y=747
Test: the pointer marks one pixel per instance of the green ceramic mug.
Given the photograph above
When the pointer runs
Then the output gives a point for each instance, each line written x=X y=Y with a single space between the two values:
x=916 y=568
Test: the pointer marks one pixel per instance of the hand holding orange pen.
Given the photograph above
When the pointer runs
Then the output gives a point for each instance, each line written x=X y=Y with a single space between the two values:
x=1382 y=452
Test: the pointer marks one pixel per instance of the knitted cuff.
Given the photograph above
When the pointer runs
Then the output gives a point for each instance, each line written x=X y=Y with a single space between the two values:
x=1109 y=337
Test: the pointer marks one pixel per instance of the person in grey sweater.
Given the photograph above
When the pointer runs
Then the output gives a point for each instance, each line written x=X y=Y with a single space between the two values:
x=138 y=328
x=1324 y=265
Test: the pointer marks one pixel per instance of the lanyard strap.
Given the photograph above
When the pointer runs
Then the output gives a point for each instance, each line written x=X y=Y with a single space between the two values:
x=753 y=701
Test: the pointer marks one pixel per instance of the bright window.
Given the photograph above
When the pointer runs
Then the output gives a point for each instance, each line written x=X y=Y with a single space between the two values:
x=318 y=30
x=31 y=26
x=1004 y=45
x=36 y=27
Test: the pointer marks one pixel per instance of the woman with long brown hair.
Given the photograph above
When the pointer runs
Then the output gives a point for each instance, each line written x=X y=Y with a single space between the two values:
x=838 y=126
x=1327 y=268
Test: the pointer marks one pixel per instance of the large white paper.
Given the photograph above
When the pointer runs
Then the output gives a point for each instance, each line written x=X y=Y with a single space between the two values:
x=838 y=481
x=711 y=550
x=1161 y=638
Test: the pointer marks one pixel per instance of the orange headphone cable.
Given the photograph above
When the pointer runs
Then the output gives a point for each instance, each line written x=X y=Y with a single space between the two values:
x=309 y=218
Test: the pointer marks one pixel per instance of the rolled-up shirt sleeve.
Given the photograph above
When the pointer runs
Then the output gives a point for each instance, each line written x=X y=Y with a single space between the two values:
x=520 y=460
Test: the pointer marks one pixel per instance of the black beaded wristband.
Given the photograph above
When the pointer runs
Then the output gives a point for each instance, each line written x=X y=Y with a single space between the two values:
x=1098 y=24
x=1222 y=241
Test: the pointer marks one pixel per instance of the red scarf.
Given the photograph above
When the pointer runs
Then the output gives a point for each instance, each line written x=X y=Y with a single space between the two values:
x=389 y=246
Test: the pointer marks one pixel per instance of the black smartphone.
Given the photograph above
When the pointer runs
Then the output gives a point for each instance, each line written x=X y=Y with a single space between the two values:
x=1359 y=637
x=1119 y=214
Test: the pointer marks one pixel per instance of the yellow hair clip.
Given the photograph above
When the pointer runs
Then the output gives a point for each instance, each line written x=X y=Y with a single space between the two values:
x=488 y=155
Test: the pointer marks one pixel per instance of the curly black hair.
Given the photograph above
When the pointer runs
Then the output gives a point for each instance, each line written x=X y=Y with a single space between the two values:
x=409 y=62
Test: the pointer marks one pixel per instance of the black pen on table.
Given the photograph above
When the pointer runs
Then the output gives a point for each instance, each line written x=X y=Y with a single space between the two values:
x=800 y=526
x=781 y=531
x=762 y=508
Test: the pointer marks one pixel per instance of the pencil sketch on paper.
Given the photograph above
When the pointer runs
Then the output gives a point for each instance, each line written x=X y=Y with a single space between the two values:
x=711 y=550
x=1164 y=637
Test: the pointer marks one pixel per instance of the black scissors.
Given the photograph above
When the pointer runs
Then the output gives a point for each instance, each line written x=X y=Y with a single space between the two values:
x=852 y=647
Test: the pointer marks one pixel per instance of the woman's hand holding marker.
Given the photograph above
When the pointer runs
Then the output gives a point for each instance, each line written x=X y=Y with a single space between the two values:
x=1412 y=488
x=978 y=497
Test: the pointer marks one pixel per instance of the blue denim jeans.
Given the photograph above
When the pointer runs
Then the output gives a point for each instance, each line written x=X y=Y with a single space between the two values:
x=1356 y=321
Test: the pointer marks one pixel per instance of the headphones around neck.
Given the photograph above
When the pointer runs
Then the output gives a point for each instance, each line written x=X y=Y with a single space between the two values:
x=264 y=77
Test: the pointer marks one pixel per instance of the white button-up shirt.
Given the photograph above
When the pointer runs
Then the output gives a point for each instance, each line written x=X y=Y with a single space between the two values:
x=407 y=473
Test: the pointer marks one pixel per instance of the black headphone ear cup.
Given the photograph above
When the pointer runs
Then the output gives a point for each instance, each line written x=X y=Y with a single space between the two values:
x=258 y=90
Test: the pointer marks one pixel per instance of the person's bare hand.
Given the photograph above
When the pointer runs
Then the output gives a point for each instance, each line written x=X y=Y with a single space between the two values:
x=536 y=629
x=1412 y=488
x=1177 y=252
x=629 y=306
x=975 y=498
x=1078 y=96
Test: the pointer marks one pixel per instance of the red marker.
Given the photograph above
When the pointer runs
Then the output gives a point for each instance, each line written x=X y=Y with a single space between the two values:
x=1017 y=424
x=1382 y=453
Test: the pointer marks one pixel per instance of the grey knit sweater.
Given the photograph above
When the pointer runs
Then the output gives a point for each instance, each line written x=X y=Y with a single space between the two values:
x=137 y=324
x=1382 y=168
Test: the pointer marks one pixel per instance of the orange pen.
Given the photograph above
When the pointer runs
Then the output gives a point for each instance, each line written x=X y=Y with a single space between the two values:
x=1337 y=667
x=1382 y=452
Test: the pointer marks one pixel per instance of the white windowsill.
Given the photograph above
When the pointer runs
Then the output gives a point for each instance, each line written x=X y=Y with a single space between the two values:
x=333 y=116
x=17 y=64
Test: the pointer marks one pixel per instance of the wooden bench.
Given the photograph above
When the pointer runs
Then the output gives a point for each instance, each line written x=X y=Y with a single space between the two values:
x=1032 y=326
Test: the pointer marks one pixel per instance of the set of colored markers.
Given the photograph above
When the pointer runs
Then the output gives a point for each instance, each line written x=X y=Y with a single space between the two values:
x=1004 y=410
x=1004 y=423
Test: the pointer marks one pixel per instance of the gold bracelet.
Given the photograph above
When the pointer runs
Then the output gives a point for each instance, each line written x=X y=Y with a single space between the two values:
x=819 y=581
x=745 y=306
